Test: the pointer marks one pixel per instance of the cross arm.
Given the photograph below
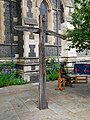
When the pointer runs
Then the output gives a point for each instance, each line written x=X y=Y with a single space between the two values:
x=27 y=28
x=52 y=33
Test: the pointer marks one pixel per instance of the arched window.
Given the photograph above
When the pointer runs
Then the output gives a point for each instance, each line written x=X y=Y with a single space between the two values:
x=43 y=12
x=43 y=8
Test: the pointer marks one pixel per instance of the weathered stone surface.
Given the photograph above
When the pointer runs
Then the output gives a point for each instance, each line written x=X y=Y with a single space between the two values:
x=21 y=103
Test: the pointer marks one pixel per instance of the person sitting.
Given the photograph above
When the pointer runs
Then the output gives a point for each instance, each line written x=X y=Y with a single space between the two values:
x=64 y=74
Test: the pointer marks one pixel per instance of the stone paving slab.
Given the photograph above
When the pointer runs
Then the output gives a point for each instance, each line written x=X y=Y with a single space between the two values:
x=19 y=106
x=84 y=113
x=21 y=103
x=9 y=115
x=5 y=106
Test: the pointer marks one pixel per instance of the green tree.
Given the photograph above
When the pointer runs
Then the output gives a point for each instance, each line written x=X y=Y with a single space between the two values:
x=80 y=35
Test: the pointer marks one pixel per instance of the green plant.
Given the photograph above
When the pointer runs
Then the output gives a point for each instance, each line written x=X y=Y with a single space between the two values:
x=52 y=68
x=8 y=75
x=80 y=34
x=1 y=67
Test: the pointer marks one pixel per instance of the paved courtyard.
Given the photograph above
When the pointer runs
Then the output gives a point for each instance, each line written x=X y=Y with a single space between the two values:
x=21 y=103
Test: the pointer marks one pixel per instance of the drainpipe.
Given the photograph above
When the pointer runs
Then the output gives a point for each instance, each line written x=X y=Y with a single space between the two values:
x=58 y=13
x=11 y=32
x=57 y=29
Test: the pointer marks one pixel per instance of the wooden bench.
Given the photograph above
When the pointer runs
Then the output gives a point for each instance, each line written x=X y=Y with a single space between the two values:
x=81 y=78
x=61 y=82
x=74 y=78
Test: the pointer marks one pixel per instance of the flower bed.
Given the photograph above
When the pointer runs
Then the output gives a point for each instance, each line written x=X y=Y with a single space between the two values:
x=8 y=75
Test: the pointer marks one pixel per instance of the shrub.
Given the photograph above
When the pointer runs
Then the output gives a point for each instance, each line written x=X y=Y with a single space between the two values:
x=51 y=70
x=8 y=75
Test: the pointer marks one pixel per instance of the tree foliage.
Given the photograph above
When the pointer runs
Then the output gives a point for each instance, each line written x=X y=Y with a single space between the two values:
x=80 y=35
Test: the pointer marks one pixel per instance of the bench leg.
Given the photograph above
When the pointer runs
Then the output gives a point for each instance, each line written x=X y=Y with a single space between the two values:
x=86 y=79
x=59 y=85
x=76 y=79
x=63 y=82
